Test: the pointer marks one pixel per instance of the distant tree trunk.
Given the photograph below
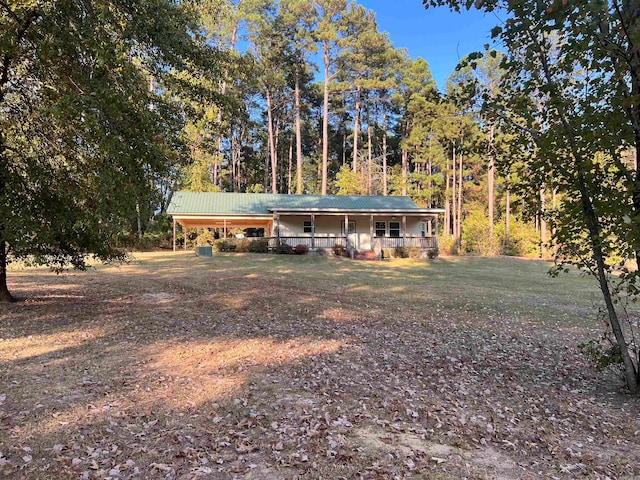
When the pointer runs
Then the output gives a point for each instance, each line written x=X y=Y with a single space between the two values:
x=279 y=168
x=543 y=223
x=454 y=210
x=491 y=182
x=214 y=170
x=460 y=202
x=405 y=167
x=272 y=145
x=290 y=174
x=298 y=137
x=138 y=219
x=385 y=180
x=266 y=171
x=370 y=159
x=356 y=131
x=447 y=208
x=325 y=121
x=507 y=218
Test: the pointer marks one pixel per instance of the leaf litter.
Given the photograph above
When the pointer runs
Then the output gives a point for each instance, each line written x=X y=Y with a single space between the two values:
x=301 y=368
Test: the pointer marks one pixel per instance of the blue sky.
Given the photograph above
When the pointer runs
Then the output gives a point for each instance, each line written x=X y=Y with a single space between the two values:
x=439 y=36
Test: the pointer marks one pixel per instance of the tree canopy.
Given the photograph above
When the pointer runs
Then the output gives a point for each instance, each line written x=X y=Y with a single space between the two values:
x=569 y=95
x=82 y=136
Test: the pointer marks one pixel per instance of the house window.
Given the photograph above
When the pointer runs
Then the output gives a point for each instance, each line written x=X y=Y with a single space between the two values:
x=381 y=229
x=352 y=228
x=423 y=229
x=307 y=227
x=394 y=229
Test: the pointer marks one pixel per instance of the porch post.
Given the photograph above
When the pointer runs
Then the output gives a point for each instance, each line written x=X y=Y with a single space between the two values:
x=371 y=230
x=224 y=228
x=185 y=231
x=346 y=228
x=313 y=231
x=404 y=230
x=436 y=219
x=430 y=227
x=174 y=234
x=278 y=225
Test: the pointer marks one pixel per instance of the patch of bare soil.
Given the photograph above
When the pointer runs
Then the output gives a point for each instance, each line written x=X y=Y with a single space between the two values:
x=177 y=367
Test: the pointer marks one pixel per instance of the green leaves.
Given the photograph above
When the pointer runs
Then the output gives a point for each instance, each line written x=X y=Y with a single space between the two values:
x=82 y=137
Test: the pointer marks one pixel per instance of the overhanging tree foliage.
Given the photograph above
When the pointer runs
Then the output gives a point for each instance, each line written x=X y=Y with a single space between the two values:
x=572 y=93
x=81 y=134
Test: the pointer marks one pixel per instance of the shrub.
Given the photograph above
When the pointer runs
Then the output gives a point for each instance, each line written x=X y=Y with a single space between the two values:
x=388 y=253
x=260 y=245
x=339 y=250
x=284 y=249
x=301 y=249
x=149 y=241
x=223 y=245
x=446 y=245
x=243 y=245
x=401 y=252
x=602 y=353
x=205 y=237
x=524 y=240
x=406 y=252
x=475 y=235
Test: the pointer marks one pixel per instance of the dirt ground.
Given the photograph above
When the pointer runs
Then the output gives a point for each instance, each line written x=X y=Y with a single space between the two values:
x=284 y=367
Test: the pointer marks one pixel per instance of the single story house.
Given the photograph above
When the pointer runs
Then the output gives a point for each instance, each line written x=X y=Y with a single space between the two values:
x=318 y=221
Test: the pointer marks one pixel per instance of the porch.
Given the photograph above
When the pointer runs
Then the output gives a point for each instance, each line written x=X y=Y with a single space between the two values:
x=324 y=243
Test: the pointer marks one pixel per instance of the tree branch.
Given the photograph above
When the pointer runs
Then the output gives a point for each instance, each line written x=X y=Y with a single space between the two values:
x=29 y=18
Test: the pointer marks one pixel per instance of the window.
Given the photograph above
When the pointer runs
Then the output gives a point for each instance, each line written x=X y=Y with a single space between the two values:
x=381 y=229
x=394 y=229
x=352 y=228
x=307 y=227
x=423 y=229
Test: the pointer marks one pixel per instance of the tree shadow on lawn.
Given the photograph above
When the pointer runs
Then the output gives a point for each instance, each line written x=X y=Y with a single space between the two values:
x=186 y=376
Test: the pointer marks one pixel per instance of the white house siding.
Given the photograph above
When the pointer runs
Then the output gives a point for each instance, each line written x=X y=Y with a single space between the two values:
x=331 y=226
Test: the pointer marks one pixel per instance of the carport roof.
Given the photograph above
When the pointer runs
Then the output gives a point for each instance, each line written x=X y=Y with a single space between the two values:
x=207 y=203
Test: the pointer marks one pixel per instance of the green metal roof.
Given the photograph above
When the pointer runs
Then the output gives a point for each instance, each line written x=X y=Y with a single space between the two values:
x=206 y=203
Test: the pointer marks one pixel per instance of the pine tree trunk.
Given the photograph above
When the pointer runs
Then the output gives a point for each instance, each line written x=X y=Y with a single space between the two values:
x=385 y=180
x=290 y=170
x=356 y=131
x=272 y=147
x=370 y=159
x=298 y=137
x=405 y=163
x=325 y=122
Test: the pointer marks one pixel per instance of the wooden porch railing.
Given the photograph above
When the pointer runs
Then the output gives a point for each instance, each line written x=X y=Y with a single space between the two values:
x=420 y=242
x=329 y=242
x=318 y=242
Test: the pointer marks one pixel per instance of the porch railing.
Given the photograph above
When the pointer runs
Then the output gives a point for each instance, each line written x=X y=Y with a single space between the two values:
x=428 y=243
x=420 y=242
x=318 y=242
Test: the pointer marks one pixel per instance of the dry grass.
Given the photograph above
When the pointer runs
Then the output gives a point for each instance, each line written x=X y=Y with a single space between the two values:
x=260 y=367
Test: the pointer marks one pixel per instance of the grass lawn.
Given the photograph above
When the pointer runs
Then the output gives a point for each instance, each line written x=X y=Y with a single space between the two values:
x=271 y=367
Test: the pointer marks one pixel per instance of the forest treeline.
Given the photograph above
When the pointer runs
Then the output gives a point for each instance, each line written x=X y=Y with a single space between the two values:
x=311 y=97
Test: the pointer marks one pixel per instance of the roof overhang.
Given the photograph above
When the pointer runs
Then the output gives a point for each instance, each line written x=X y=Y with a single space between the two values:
x=346 y=211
